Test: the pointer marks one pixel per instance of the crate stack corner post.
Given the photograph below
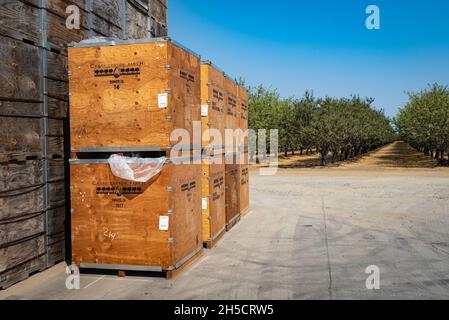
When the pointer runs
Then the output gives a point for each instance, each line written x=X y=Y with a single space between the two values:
x=128 y=97
x=34 y=117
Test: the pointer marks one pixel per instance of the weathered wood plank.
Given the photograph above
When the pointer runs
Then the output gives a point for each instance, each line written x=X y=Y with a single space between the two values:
x=109 y=10
x=20 y=109
x=21 y=189
x=21 y=272
x=158 y=11
x=56 y=66
x=104 y=28
x=20 y=136
x=136 y=22
x=57 y=109
x=20 y=72
x=20 y=20
x=59 y=36
x=19 y=253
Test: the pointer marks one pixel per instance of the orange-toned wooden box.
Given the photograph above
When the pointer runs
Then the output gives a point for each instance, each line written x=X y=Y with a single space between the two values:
x=213 y=107
x=244 y=185
x=242 y=116
x=123 y=225
x=232 y=179
x=214 y=199
x=132 y=93
x=231 y=103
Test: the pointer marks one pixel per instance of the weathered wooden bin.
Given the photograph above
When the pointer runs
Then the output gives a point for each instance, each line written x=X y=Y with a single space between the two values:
x=123 y=225
x=132 y=94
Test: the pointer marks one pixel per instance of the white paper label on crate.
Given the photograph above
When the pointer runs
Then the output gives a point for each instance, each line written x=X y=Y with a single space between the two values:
x=163 y=223
x=162 y=100
x=204 y=110
x=204 y=203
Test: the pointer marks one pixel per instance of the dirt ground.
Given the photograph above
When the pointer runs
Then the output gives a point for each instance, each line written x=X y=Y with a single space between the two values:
x=311 y=234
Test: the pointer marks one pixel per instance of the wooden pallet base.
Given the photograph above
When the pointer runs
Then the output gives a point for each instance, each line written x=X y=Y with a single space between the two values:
x=166 y=274
x=231 y=224
x=21 y=272
x=212 y=243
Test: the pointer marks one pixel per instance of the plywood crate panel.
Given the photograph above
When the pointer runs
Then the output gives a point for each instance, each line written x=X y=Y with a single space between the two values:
x=231 y=104
x=214 y=199
x=213 y=107
x=244 y=184
x=141 y=93
x=116 y=223
x=232 y=181
x=242 y=116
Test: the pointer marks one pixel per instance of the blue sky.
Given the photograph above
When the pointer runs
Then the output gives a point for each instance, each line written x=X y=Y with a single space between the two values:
x=322 y=46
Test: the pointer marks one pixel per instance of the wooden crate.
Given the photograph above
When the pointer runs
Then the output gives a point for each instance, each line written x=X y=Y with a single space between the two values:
x=116 y=224
x=214 y=200
x=242 y=115
x=231 y=104
x=213 y=107
x=244 y=185
x=232 y=181
x=141 y=93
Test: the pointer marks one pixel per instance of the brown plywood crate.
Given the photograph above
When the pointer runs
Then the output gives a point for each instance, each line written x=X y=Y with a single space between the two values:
x=214 y=200
x=231 y=104
x=132 y=94
x=232 y=181
x=244 y=185
x=242 y=115
x=213 y=107
x=118 y=224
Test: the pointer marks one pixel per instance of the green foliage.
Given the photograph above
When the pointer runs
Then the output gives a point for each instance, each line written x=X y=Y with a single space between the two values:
x=424 y=121
x=345 y=126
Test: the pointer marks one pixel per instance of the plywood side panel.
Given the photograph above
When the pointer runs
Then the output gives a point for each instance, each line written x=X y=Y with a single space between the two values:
x=186 y=204
x=213 y=96
x=115 y=221
x=185 y=82
x=122 y=83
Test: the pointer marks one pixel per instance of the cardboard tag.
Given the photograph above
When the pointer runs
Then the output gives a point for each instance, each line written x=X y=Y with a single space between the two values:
x=163 y=223
x=204 y=204
x=204 y=110
x=162 y=100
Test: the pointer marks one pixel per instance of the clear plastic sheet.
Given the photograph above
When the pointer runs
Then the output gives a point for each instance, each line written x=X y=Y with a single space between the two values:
x=135 y=168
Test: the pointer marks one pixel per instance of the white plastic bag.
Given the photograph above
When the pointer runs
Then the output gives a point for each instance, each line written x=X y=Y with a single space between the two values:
x=136 y=169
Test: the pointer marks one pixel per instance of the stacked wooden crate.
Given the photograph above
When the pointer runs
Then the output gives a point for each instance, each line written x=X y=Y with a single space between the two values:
x=232 y=154
x=242 y=124
x=128 y=97
x=33 y=116
x=213 y=112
